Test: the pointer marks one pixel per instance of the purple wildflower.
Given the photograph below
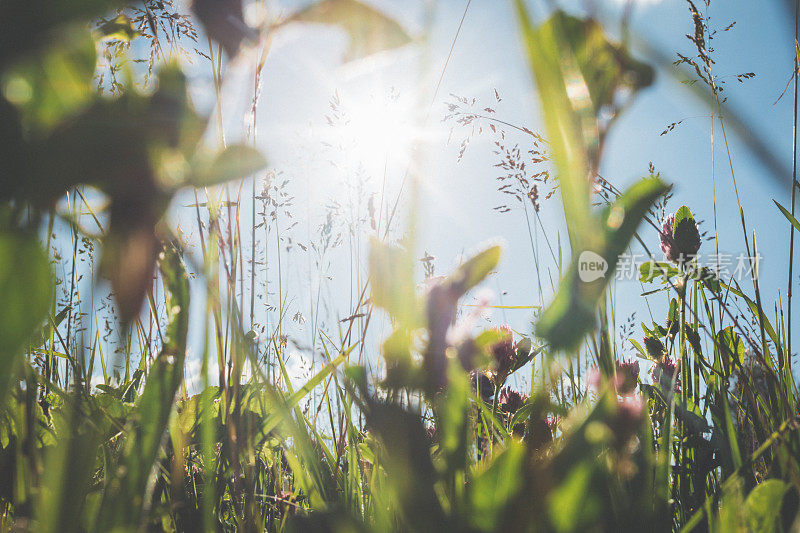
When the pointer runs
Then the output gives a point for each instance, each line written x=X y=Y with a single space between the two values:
x=504 y=353
x=663 y=373
x=679 y=244
x=628 y=418
x=625 y=381
x=627 y=376
x=432 y=433
x=510 y=400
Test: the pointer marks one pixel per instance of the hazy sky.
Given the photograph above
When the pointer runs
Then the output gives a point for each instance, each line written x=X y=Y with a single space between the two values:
x=304 y=72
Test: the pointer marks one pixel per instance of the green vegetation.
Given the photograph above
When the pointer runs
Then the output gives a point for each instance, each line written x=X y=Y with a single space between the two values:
x=439 y=439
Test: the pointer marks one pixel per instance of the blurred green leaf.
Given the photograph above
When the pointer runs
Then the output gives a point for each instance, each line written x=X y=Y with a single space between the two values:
x=68 y=473
x=234 y=162
x=51 y=86
x=731 y=509
x=26 y=285
x=29 y=24
x=691 y=416
x=578 y=73
x=573 y=504
x=406 y=458
x=329 y=521
x=392 y=279
x=475 y=270
x=571 y=314
x=763 y=506
x=451 y=413
x=370 y=31
x=495 y=487
x=608 y=69
x=119 y=146
x=565 y=118
x=224 y=22
x=120 y=28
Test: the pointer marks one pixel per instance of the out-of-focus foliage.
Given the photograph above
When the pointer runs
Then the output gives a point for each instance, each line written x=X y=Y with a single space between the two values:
x=580 y=75
x=138 y=149
x=368 y=29
x=444 y=439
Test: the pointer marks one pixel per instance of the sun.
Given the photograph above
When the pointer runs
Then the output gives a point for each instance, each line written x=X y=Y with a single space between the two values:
x=375 y=131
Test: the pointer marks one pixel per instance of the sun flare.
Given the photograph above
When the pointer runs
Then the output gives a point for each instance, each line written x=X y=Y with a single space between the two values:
x=374 y=131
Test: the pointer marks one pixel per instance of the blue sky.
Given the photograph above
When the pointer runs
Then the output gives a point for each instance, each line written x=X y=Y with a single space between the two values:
x=455 y=212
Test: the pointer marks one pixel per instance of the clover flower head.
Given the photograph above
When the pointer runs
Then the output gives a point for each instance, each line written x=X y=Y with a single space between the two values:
x=680 y=244
x=663 y=373
x=627 y=376
x=504 y=353
x=510 y=400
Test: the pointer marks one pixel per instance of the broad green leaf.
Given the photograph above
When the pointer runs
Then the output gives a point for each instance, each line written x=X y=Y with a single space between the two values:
x=488 y=337
x=472 y=272
x=574 y=502
x=51 y=86
x=731 y=509
x=682 y=215
x=495 y=487
x=26 y=25
x=405 y=456
x=572 y=313
x=608 y=69
x=580 y=76
x=763 y=506
x=451 y=413
x=224 y=22
x=691 y=416
x=565 y=118
x=578 y=72
x=234 y=162
x=25 y=285
x=392 y=279
x=370 y=30
x=120 y=28
x=654 y=269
